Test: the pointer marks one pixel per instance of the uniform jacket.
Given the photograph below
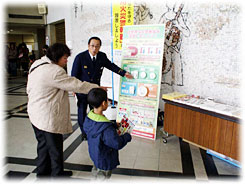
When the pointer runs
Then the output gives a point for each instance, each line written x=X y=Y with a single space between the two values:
x=84 y=69
x=48 y=103
x=103 y=141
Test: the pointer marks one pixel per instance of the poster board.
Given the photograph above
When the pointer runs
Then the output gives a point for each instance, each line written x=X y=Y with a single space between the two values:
x=142 y=53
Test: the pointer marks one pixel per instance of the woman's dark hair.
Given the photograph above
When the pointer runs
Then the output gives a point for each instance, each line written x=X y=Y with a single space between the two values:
x=94 y=38
x=56 y=51
x=96 y=96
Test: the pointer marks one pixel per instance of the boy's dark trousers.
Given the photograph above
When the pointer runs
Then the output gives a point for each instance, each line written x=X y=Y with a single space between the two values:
x=50 y=153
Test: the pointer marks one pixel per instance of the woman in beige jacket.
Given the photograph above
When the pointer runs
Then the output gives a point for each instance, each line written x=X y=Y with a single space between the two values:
x=49 y=108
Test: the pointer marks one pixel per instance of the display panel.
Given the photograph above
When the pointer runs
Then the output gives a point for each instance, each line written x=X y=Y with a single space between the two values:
x=142 y=53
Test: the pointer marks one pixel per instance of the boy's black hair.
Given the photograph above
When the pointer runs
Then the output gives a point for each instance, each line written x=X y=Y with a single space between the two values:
x=95 y=38
x=96 y=96
x=56 y=51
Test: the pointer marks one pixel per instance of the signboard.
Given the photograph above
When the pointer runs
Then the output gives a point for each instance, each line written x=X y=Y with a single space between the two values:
x=142 y=53
x=123 y=14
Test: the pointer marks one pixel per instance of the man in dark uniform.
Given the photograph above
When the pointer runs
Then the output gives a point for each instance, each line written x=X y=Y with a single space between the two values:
x=88 y=66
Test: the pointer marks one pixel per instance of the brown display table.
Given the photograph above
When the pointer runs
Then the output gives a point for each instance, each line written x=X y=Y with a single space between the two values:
x=214 y=131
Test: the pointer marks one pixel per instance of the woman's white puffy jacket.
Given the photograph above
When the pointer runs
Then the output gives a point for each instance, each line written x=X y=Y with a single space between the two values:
x=48 y=102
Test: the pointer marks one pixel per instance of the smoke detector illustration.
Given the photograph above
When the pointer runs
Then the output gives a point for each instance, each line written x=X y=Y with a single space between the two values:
x=133 y=50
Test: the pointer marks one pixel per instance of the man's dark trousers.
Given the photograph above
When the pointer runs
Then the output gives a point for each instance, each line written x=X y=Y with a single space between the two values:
x=82 y=113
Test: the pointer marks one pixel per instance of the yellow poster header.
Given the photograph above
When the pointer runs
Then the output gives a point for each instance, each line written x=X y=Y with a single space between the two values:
x=123 y=14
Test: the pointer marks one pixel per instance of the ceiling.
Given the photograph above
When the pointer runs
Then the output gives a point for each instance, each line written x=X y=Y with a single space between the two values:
x=24 y=19
x=21 y=28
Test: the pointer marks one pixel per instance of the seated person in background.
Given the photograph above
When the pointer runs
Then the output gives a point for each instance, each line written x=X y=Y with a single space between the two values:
x=103 y=139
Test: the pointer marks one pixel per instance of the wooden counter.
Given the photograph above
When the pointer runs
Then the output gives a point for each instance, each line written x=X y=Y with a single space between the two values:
x=220 y=133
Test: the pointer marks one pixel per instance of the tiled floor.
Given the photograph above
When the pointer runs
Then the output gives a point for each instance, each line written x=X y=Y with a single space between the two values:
x=141 y=160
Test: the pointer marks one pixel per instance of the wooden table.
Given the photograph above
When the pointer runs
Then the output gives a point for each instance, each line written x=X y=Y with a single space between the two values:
x=218 y=132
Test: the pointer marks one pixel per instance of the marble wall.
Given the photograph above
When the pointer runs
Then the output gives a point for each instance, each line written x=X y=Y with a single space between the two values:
x=202 y=44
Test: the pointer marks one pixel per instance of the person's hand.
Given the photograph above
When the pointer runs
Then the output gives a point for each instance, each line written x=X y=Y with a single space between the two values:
x=129 y=75
x=73 y=94
x=118 y=124
x=105 y=88
x=128 y=137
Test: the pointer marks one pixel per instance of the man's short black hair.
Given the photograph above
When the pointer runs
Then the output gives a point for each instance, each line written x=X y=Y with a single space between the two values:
x=94 y=38
x=56 y=51
x=96 y=96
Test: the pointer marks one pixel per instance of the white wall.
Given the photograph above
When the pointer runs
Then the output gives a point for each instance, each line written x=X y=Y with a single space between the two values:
x=58 y=12
x=208 y=56
x=94 y=19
